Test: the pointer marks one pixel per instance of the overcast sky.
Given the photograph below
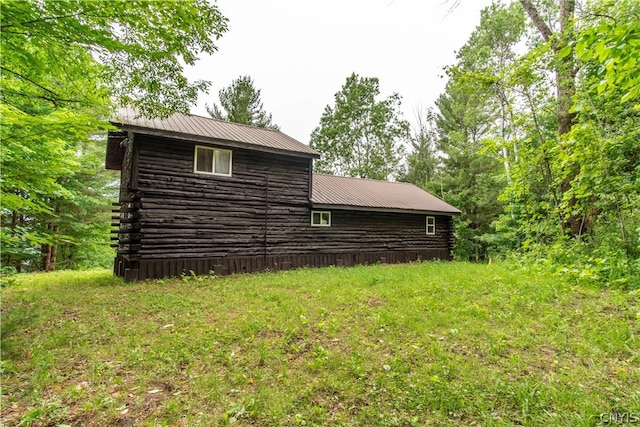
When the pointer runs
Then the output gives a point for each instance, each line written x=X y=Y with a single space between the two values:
x=300 y=52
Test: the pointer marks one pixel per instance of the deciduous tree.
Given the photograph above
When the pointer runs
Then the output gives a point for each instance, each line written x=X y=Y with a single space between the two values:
x=476 y=128
x=360 y=135
x=141 y=49
x=65 y=65
x=571 y=100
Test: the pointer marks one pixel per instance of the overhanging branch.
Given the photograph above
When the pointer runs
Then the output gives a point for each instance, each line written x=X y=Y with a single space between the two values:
x=55 y=98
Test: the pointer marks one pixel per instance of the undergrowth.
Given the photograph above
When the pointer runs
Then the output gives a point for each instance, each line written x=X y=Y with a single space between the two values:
x=608 y=265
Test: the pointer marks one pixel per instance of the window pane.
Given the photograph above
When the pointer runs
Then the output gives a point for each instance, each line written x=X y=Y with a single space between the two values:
x=431 y=225
x=223 y=162
x=315 y=218
x=325 y=218
x=204 y=160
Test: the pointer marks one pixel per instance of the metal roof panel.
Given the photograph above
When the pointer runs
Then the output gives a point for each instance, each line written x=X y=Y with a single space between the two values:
x=345 y=192
x=203 y=127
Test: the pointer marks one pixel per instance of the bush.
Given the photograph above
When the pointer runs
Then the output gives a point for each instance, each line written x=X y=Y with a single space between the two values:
x=609 y=264
x=7 y=276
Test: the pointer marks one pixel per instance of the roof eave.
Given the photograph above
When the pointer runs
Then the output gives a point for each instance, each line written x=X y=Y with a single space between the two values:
x=211 y=140
x=315 y=205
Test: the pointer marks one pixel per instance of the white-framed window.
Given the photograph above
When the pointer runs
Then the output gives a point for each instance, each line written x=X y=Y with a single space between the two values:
x=212 y=161
x=431 y=225
x=320 y=218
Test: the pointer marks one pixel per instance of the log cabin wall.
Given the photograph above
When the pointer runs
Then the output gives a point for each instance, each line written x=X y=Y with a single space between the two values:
x=127 y=227
x=367 y=231
x=256 y=219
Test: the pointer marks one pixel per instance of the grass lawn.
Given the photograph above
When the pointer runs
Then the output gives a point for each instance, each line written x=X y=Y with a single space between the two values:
x=420 y=344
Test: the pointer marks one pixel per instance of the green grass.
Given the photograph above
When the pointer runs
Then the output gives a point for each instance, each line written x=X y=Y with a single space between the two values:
x=420 y=344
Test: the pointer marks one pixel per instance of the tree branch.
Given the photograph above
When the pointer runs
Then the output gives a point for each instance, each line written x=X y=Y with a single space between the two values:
x=531 y=10
x=51 y=18
x=55 y=99
x=29 y=80
x=567 y=10
x=602 y=15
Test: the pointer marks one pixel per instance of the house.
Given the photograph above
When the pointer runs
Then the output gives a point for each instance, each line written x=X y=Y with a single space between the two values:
x=200 y=195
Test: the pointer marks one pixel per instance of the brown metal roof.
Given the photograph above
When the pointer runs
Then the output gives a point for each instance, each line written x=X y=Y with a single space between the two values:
x=339 y=192
x=204 y=129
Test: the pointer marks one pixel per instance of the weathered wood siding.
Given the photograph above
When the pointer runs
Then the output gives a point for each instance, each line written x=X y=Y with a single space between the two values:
x=174 y=221
x=185 y=214
x=156 y=268
x=378 y=231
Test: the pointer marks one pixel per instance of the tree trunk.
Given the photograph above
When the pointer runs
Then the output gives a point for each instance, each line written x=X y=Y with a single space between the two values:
x=566 y=81
x=45 y=250
x=49 y=253
x=19 y=261
x=14 y=223
x=565 y=71
x=53 y=258
x=565 y=67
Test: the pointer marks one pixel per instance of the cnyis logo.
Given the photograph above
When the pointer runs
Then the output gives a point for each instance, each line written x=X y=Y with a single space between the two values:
x=613 y=418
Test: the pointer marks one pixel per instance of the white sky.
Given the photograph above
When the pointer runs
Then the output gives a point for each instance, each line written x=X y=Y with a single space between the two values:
x=299 y=53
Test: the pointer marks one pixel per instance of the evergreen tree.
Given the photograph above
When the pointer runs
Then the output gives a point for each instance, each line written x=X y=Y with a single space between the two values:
x=241 y=104
x=476 y=129
x=423 y=161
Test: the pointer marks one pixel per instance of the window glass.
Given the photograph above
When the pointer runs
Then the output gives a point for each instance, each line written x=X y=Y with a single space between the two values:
x=325 y=219
x=223 y=162
x=321 y=218
x=213 y=161
x=431 y=225
x=204 y=159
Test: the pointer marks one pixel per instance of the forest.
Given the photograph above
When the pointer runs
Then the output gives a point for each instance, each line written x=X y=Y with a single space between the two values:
x=536 y=137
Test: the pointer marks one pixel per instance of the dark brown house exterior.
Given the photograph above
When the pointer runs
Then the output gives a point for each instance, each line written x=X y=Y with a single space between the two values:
x=200 y=195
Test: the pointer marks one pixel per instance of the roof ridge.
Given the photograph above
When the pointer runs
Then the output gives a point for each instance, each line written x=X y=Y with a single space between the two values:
x=203 y=117
x=233 y=123
x=375 y=194
x=365 y=179
x=194 y=127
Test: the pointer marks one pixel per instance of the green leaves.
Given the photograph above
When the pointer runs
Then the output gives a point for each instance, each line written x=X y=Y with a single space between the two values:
x=40 y=162
x=565 y=51
x=361 y=136
x=476 y=126
x=141 y=46
x=65 y=65
x=562 y=118
x=615 y=46
x=580 y=186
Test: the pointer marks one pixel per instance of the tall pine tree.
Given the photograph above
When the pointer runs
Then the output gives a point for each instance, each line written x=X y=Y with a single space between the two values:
x=242 y=104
